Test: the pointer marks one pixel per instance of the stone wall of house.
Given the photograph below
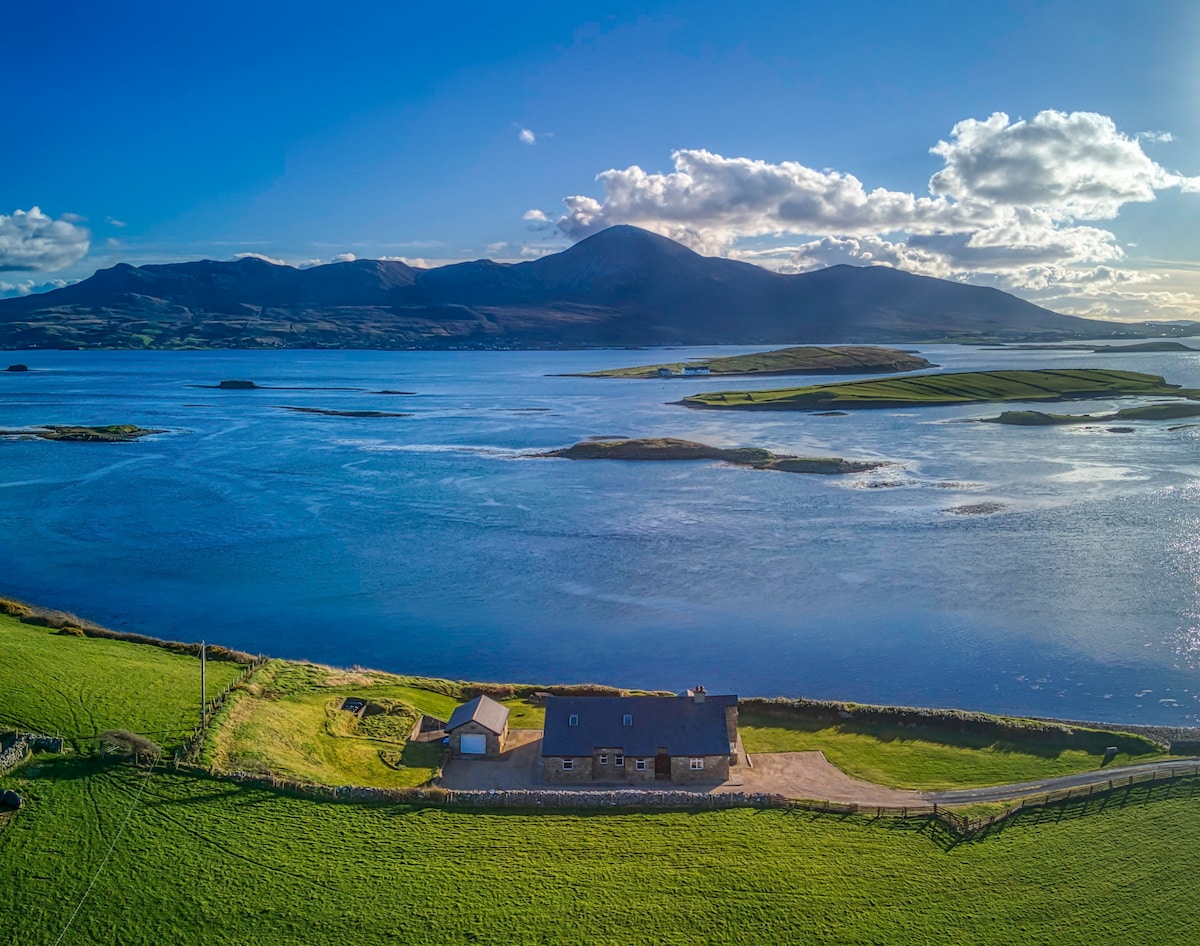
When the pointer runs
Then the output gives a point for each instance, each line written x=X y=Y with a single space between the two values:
x=495 y=743
x=608 y=771
x=633 y=776
x=589 y=769
x=553 y=771
x=716 y=769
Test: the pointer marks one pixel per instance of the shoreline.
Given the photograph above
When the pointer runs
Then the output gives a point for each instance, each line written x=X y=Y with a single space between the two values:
x=69 y=623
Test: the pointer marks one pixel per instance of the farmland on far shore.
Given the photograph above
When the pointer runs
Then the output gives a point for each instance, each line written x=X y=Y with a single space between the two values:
x=966 y=387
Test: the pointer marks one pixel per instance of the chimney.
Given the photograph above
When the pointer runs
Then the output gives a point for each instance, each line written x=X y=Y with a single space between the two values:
x=699 y=693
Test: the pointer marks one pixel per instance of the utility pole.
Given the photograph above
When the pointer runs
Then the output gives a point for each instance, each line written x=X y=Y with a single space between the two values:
x=203 y=692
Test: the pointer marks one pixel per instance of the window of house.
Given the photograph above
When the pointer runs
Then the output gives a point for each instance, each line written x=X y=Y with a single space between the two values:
x=568 y=764
x=603 y=759
x=627 y=720
x=619 y=760
x=640 y=765
x=697 y=765
x=573 y=719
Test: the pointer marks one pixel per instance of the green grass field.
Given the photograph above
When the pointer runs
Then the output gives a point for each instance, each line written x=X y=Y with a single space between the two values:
x=80 y=686
x=796 y=360
x=968 y=387
x=204 y=862
x=196 y=860
x=920 y=757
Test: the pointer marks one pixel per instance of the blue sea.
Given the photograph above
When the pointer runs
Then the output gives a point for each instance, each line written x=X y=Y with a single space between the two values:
x=436 y=544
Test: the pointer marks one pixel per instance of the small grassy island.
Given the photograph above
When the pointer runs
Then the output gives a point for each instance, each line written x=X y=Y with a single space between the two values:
x=843 y=359
x=967 y=387
x=17 y=368
x=1147 y=412
x=74 y=433
x=1159 y=346
x=669 y=448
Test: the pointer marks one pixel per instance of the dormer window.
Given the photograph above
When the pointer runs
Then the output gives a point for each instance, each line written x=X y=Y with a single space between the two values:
x=573 y=719
x=627 y=719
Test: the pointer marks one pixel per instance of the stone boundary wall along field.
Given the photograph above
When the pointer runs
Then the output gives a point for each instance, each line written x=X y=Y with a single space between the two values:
x=633 y=799
x=23 y=744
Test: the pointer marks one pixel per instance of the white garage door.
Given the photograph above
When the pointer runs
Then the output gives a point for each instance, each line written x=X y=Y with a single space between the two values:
x=474 y=744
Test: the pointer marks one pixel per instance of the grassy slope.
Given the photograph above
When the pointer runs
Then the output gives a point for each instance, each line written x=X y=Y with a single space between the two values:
x=288 y=723
x=953 y=388
x=786 y=361
x=919 y=758
x=205 y=862
x=80 y=686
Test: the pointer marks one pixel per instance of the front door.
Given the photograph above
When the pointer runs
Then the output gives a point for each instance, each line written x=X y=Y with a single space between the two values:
x=662 y=766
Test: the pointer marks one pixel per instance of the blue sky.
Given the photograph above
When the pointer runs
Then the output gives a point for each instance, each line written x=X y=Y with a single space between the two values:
x=792 y=134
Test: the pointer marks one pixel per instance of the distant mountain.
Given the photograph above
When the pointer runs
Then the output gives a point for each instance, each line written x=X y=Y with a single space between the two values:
x=622 y=286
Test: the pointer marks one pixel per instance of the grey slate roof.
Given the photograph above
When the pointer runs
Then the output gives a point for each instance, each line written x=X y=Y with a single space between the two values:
x=678 y=723
x=483 y=710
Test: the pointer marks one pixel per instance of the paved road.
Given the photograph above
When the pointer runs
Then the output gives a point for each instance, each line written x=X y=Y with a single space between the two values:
x=1098 y=777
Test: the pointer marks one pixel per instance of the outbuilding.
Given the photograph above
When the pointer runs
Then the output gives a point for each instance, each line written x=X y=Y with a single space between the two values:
x=478 y=728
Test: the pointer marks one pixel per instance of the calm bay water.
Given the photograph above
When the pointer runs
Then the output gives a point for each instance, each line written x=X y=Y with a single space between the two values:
x=433 y=543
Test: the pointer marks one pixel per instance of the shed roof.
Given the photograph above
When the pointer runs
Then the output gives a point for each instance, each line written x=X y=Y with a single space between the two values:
x=677 y=723
x=482 y=710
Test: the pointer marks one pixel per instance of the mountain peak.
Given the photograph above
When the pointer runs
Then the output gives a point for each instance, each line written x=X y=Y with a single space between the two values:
x=624 y=237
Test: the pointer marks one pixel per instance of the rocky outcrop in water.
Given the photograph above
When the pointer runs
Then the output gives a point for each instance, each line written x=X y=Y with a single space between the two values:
x=668 y=448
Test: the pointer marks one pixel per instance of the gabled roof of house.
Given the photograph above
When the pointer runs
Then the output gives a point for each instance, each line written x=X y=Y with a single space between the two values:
x=482 y=710
x=677 y=723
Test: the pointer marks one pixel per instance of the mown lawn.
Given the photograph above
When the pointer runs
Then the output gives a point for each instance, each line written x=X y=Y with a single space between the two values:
x=920 y=758
x=81 y=686
x=204 y=862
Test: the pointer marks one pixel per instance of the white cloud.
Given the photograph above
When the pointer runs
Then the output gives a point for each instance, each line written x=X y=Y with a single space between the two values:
x=1072 y=166
x=1155 y=137
x=344 y=258
x=32 y=241
x=537 y=220
x=538 y=250
x=261 y=256
x=526 y=137
x=416 y=262
x=709 y=201
x=1012 y=206
x=27 y=286
x=114 y=222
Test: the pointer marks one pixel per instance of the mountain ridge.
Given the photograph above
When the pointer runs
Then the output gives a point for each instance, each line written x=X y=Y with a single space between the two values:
x=621 y=286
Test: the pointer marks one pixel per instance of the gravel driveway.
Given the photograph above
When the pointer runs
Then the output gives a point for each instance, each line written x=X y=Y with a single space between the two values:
x=811 y=775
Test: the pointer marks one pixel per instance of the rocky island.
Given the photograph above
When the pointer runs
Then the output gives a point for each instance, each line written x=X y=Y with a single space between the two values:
x=329 y=412
x=669 y=448
x=74 y=433
x=843 y=359
x=967 y=387
x=1148 y=412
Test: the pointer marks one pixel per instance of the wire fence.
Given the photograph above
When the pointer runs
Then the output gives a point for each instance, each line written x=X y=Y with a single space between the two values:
x=194 y=743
